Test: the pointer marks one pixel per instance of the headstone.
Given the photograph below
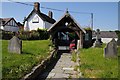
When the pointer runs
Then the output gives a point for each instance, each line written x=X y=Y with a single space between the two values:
x=15 y=45
x=111 y=49
x=97 y=42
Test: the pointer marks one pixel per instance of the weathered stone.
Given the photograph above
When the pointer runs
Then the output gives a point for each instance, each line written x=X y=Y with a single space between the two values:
x=58 y=75
x=68 y=68
x=57 y=71
x=51 y=75
x=111 y=49
x=68 y=71
x=97 y=42
x=15 y=45
x=63 y=69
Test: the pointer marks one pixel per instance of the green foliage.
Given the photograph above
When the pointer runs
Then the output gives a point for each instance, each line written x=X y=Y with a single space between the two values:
x=6 y=35
x=72 y=35
x=40 y=34
x=74 y=56
x=118 y=50
x=17 y=65
x=94 y=65
x=43 y=34
x=24 y=35
x=118 y=33
x=88 y=28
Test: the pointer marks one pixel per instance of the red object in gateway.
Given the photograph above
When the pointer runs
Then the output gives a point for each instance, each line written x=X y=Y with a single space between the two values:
x=72 y=45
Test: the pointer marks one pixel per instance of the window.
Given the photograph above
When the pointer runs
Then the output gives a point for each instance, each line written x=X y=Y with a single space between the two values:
x=86 y=37
x=35 y=19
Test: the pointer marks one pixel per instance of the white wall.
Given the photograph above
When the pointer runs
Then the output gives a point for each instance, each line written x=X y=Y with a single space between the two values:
x=1 y=27
x=47 y=25
x=107 y=40
x=35 y=26
x=11 y=28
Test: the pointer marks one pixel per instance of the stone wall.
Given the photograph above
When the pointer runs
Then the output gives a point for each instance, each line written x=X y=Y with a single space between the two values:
x=39 y=68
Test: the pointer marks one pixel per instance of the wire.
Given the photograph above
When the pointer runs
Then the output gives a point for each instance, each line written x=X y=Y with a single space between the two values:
x=21 y=3
x=50 y=8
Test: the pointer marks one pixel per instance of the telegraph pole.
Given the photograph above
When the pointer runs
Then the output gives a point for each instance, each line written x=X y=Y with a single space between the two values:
x=92 y=21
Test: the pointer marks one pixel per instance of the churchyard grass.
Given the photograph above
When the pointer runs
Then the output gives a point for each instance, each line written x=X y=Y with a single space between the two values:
x=94 y=65
x=118 y=50
x=119 y=62
x=17 y=65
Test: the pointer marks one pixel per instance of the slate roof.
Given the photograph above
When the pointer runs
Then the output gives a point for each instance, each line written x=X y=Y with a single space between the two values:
x=68 y=17
x=106 y=34
x=44 y=17
x=3 y=21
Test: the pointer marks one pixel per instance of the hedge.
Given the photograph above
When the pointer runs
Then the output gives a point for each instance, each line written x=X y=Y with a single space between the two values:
x=26 y=35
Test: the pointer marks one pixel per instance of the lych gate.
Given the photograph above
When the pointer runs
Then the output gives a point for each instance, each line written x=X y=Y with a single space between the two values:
x=65 y=31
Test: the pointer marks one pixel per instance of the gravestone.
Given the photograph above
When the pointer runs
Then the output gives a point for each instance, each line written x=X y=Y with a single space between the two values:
x=97 y=42
x=111 y=49
x=15 y=45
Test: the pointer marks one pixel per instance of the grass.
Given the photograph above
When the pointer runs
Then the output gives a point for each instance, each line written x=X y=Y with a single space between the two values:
x=118 y=50
x=74 y=56
x=94 y=65
x=119 y=62
x=17 y=65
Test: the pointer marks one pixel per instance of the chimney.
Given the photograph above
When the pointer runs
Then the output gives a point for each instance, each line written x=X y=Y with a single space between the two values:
x=37 y=6
x=50 y=14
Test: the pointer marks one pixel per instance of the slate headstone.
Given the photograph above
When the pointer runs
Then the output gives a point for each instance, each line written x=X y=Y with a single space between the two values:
x=15 y=45
x=97 y=42
x=111 y=49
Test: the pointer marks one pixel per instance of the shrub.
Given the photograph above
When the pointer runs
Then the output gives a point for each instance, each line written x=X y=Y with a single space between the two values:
x=6 y=35
x=34 y=35
x=24 y=35
x=43 y=34
x=40 y=34
x=118 y=33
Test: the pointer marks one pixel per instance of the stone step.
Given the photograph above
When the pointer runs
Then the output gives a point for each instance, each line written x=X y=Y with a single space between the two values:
x=68 y=68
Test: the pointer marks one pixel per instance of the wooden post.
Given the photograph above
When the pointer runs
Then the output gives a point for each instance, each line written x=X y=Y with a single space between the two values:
x=81 y=39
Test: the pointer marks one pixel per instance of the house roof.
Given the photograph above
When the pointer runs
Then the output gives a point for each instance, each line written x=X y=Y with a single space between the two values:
x=19 y=24
x=67 y=17
x=44 y=17
x=4 y=21
x=106 y=34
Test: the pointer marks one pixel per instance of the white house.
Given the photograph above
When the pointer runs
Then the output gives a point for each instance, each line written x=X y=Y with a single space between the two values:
x=9 y=24
x=36 y=19
x=106 y=36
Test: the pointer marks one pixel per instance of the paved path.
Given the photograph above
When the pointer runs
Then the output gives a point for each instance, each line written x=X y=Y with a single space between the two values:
x=64 y=68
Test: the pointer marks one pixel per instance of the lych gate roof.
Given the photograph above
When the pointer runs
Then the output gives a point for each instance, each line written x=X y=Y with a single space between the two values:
x=69 y=19
x=42 y=16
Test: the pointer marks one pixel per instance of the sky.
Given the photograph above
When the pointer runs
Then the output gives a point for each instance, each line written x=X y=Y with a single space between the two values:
x=105 y=13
